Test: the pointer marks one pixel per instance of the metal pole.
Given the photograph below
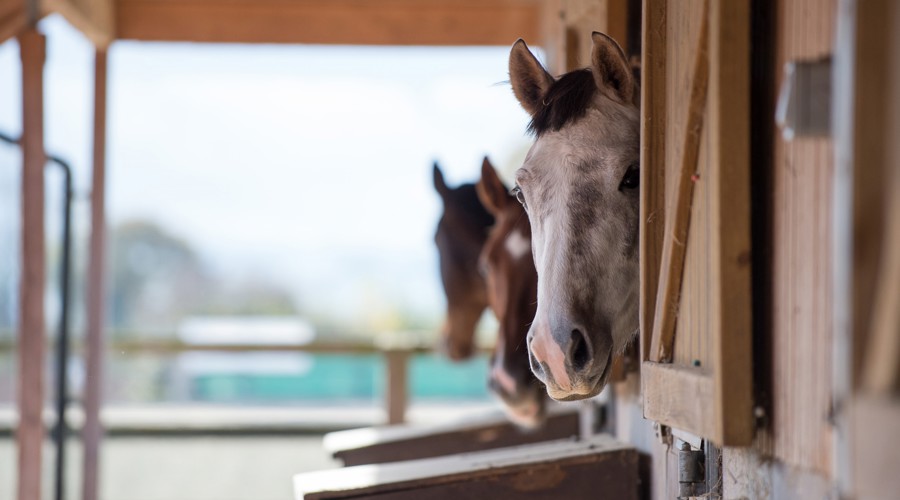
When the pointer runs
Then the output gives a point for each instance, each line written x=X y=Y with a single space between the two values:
x=62 y=341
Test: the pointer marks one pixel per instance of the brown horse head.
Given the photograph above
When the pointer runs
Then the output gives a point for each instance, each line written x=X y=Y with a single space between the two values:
x=461 y=234
x=579 y=185
x=511 y=277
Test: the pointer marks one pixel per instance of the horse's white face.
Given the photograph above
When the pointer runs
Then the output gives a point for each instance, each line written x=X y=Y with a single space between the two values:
x=579 y=184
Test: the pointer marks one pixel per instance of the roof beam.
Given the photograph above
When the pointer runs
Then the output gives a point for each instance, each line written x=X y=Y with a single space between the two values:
x=344 y=22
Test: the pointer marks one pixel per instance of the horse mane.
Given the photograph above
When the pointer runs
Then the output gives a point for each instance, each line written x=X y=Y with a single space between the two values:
x=564 y=102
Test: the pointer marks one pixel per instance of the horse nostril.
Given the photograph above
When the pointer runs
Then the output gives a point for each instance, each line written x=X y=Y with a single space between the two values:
x=579 y=350
x=535 y=365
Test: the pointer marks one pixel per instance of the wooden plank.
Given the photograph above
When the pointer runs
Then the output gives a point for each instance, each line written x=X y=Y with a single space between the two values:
x=396 y=443
x=802 y=243
x=31 y=331
x=354 y=22
x=678 y=211
x=681 y=397
x=92 y=432
x=729 y=183
x=558 y=469
x=653 y=161
x=94 y=18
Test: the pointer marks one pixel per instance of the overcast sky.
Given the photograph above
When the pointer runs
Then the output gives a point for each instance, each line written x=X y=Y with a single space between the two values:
x=308 y=165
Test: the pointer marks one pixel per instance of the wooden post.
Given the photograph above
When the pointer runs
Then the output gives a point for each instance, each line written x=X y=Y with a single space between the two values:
x=395 y=390
x=30 y=432
x=93 y=430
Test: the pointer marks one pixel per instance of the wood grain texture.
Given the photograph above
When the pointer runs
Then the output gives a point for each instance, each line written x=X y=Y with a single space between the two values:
x=678 y=207
x=802 y=207
x=353 y=22
x=729 y=183
x=653 y=155
x=679 y=397
x=708 y=318
x=31 y=328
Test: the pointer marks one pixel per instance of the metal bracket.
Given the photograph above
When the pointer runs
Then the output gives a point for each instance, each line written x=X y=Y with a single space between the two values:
x=804 y=101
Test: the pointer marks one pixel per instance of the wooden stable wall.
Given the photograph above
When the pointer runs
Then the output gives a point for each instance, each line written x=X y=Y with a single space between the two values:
x=695 y=219
x=802 y=173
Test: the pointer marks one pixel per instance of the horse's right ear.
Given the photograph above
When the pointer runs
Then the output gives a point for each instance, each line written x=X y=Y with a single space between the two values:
x=529 y=79
x=491 y=191
x=439 y=185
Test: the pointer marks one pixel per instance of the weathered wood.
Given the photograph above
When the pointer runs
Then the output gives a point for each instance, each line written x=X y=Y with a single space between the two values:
x=678 y=210
x=653 y=161
x=729 y=165
x=31 y=331
x=558 y=469
x=355 y=22
x=92 y=431
x=681 y=397
x=393 y=444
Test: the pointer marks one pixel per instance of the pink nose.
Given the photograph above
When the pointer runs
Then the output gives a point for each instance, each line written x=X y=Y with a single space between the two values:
x=548 y=361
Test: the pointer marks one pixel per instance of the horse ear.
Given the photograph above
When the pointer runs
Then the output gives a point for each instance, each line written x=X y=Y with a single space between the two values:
x=491 y=191
x=439 y=185
x=529 y=79
x=610 y=67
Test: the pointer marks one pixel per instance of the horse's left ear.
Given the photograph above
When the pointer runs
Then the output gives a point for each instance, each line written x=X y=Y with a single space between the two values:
x=611 y=69
x=491 y=191
x=528 y=77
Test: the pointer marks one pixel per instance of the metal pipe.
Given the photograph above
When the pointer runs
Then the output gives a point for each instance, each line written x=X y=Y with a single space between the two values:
x=62 y=344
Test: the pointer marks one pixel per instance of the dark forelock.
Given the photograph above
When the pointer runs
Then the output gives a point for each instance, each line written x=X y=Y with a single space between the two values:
x=565 y=101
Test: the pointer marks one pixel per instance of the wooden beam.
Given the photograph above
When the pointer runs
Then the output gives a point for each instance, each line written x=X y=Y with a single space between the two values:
x=13 y=18
x=678 y=212
x=680 y=397
x=653 y=161
x=32 y=333
x=729 y=172
x=92 y=431
x=351 y=22
x=94 y=18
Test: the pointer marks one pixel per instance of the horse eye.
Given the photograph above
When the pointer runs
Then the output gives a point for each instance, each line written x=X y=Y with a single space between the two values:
x=520 y=196
x=632 y=178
